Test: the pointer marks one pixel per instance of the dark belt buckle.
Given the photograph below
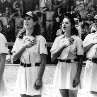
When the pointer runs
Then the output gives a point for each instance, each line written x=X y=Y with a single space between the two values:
x=68 y=61
x=37 y=64
x=25 y=65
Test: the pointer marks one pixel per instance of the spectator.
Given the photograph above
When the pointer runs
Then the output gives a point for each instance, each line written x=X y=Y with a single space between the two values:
x=89 y=19
x=94 y=25
x=59 y=31
x=85 y=30
x=18 y=5
x=9 y=25
x=78 y=26
x=90 y=73
x=4 y=4
x=49 y=23
x=18 y=21
x=57 y=20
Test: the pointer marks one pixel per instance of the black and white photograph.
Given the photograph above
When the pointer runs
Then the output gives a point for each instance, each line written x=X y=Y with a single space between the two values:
x=48 y=48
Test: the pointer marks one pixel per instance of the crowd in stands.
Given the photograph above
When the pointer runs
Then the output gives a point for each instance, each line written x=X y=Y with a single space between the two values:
x=49 y=18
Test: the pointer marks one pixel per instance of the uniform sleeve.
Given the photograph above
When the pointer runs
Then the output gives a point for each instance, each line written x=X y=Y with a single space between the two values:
x=55 y=45
x=80 y=50
x=87 y=40
x=3 y=45
x=16 y=45
x=43 y=46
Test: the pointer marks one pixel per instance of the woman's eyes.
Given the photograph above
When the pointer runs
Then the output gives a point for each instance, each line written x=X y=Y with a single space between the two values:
x=65 y=23
x=27 y=18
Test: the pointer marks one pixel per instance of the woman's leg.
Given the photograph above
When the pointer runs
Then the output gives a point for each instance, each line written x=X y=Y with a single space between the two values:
x=73 y=93
x=64 y=92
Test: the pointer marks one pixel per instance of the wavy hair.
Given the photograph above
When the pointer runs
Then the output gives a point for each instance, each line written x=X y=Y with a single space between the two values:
x=74 y=30
x=2 y=26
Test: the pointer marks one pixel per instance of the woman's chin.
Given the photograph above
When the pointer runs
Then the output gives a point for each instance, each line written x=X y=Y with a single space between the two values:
x=64 y=31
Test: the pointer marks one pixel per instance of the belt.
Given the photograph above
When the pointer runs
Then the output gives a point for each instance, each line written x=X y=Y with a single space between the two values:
x=28 y=65
x=94 y=60
x=68 y=60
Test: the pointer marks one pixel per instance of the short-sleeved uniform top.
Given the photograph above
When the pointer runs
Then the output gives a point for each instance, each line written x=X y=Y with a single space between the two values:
x=3 y=49
x=90 y=73
x=3 y=44
x=27 y=75
x=65 y=72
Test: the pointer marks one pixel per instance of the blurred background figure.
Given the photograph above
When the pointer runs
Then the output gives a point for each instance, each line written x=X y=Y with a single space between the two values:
x=18 y=5
x=45 y=4
x=57 y=21
x=9 y=25
x=4 y=4
x=49 y=23
x=85 y=30
x=94 y=25
x=59 y=31
x=78 y=26
x=18 y=21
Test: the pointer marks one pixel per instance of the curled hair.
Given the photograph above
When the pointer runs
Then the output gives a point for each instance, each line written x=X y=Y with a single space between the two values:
x=74 y=30
x=85 y=24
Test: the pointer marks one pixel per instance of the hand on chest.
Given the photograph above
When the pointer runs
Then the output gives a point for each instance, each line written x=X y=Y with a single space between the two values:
x=32 y=43
x=66 y=41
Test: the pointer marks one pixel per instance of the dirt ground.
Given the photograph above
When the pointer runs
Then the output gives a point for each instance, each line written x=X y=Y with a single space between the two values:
x=10 y=75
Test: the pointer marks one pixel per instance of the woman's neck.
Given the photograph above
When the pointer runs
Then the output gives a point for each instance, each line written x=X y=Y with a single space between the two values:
x=67 y=35
x=29 y=32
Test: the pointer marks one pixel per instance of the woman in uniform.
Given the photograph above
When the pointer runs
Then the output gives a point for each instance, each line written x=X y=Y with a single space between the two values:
x=90 y=73
x=3 y=53
x=68 y=49
x=30 y=48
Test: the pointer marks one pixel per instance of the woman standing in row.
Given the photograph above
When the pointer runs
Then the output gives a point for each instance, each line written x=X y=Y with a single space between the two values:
x=68 y=49
x=30 y=48
x=3 y=53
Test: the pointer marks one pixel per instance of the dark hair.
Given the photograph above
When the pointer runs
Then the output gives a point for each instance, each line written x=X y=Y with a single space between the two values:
x=35 y=18
x=36 y=31
x=74 y=30
x=78 y=15
x=2 y=31
x=85 y=24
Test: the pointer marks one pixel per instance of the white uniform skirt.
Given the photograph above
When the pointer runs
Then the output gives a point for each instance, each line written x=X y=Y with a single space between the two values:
x=64 y=75
x=26 y=79
x=90 y=77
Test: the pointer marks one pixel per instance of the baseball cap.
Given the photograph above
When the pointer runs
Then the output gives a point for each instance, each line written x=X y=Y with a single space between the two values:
x=31 y=14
